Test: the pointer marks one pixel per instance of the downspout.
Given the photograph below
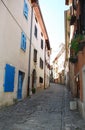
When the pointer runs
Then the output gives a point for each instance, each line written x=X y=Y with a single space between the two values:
x=29 y=62
x=49 y=66
x=44 y=65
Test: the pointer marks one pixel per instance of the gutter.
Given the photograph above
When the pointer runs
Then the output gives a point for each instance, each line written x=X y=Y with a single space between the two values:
x=29 y=62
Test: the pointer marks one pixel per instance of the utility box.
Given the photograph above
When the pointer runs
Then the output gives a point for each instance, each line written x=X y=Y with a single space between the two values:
x=73 y=105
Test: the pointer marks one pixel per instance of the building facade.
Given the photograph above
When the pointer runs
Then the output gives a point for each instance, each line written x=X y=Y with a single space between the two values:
x=67 y=41
x=58 y=66
x=40 y=51
x=77 y=52
x=23 y=39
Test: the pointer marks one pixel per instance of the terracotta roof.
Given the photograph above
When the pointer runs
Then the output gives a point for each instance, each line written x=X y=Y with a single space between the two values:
x=66 y=2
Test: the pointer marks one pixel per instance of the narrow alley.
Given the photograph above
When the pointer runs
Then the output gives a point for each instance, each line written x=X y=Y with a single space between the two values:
x=45 y=110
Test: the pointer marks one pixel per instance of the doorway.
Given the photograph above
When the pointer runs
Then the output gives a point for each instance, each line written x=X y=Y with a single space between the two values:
x=84 y=86
x=34 y=78
x=21 y=76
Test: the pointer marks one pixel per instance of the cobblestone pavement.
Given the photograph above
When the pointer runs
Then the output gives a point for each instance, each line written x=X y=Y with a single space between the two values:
x=45 y=110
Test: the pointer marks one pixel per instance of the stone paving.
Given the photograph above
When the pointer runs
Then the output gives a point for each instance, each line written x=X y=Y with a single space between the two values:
x=45 y=110
x=72 y=119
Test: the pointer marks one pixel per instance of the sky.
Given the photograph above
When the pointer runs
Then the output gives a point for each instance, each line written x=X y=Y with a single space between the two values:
x=53 y=15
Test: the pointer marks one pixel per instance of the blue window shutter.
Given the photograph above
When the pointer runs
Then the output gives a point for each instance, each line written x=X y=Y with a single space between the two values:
x=23 y=41
x=25 y=11
x=9 y=78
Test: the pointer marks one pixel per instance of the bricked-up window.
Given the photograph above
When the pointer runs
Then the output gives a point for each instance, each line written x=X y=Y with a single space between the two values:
x=41 y=44
x=41 y=63
x=35 y=55
x=40 y=79
x=35 y=31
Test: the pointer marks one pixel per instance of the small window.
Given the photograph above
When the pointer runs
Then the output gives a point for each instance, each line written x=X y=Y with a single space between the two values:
x=41 y=63
x=36 y=19
x=40 y=79
x=41 y=34
x=41 y=44
x=35 y=55
x=23 y=41
x=35 y=32
x=25 y=10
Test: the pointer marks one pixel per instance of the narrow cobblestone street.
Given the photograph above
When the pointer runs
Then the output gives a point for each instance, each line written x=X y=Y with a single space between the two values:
x=45 y=110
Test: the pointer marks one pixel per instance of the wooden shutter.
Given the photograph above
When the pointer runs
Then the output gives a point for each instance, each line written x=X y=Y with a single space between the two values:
x=23 y=41
x=9 y=78
x=25 y=11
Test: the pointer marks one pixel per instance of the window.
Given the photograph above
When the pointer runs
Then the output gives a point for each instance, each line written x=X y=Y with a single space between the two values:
x=23 y=41
x=9 y=78
x=25 y=10
x=75 y=4
x=35 y=55
x=36 y=19
x=21 y=76
x=41 y=34
x=35 y=32
x=40 y=79
x=41 y=63
x=41 y=44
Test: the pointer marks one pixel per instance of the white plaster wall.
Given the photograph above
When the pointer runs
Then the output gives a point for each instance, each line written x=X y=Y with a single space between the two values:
x=36 y=44
x=16 y=9
x=61 y=60
x=12 y=22
x=47 y=70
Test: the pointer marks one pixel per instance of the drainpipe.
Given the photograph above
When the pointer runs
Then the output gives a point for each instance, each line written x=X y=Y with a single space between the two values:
x=44 y=64
x=49 y=70
x=29 y=63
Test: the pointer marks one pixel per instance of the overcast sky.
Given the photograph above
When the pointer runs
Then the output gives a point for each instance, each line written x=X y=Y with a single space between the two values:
x=53 y=15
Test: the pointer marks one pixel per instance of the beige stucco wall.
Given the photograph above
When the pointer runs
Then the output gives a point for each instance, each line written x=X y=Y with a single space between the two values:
x=59 y=65
x=36 y=44
x=16 y=9
x=12 y=23
x=47 y=76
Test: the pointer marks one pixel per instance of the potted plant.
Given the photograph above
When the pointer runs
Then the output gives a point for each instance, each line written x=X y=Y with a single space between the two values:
x=81 y=45
x=73 y=59
x=33 y=90
x=74 y=49
x=69 y=17
x=75 y=42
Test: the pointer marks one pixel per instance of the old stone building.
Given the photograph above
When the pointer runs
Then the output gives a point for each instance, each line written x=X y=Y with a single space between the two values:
x=77 y=52
x=24 y=43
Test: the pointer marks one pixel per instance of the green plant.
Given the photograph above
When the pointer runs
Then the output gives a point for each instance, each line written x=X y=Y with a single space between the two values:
x=15 y=100
x=73 y=59
x=68 y=17
x=33 y=90
x=75 y=42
